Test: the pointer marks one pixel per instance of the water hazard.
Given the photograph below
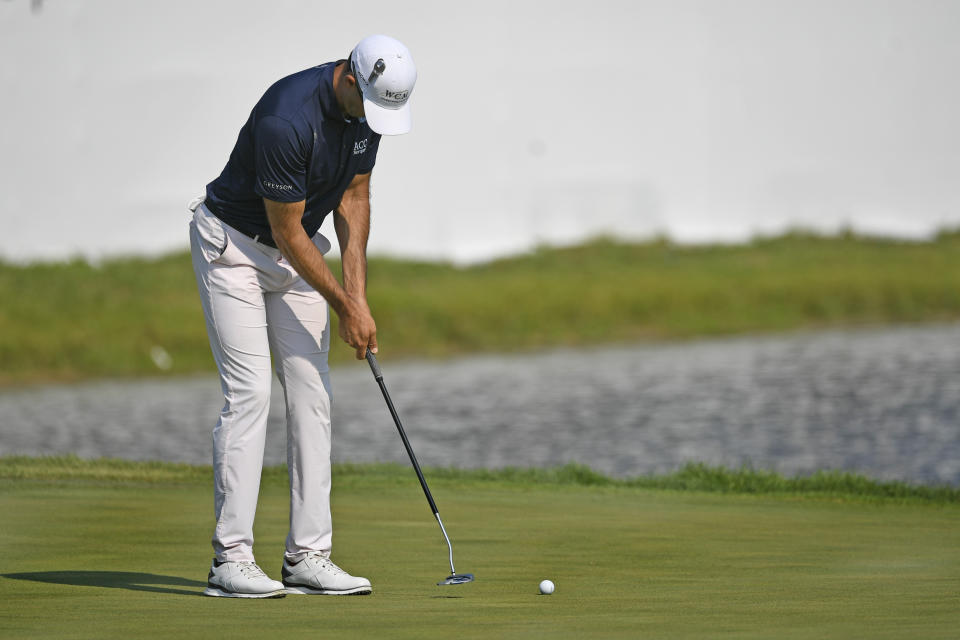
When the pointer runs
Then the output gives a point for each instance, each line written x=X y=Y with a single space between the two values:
x=881 y=402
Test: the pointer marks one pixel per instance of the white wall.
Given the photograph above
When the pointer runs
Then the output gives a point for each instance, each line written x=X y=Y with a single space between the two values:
x=533 y=121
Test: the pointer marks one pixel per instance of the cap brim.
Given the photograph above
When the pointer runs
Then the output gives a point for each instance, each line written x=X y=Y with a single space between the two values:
x=387 y=122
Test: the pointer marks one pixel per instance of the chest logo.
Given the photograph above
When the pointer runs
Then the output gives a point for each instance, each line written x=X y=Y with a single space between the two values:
x=359 y=147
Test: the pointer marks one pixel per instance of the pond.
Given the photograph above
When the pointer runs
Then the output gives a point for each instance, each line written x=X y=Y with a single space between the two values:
x=883 y=402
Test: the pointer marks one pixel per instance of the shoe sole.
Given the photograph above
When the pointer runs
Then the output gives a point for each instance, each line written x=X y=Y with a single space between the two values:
x=220 y=593
x=298 y=589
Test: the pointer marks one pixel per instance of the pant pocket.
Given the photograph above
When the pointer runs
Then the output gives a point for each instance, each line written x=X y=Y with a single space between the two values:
x=213 y=236
x=321 y=242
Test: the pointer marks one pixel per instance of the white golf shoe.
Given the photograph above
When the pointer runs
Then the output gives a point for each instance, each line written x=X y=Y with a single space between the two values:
x=241 y=580
x=317 y=575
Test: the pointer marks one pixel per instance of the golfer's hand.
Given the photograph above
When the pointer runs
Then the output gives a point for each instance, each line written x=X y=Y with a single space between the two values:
x=358 y=329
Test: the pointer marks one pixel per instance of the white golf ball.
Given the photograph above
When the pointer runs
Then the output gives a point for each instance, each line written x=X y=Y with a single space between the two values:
x=546 y=587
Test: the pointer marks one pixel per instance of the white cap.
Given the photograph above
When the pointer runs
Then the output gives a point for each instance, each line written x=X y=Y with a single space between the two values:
x=386 y=75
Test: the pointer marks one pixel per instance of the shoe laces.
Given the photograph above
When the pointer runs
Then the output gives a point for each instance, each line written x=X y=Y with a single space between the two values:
x=326 y=562
x=251 y=570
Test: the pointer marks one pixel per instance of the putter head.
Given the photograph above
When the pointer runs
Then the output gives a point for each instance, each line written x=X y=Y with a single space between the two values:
x=456 y=578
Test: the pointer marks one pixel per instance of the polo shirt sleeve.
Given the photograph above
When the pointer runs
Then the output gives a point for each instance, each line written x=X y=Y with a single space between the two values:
x=280 y=158
x=370 y=157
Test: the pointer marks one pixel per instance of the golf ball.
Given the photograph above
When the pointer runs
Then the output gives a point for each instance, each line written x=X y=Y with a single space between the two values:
x=546 y=587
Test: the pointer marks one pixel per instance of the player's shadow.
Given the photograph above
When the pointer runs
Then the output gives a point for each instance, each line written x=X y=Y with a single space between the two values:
x=115 y=580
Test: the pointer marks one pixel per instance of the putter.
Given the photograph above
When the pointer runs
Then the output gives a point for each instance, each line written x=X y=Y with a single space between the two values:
x=454 y=577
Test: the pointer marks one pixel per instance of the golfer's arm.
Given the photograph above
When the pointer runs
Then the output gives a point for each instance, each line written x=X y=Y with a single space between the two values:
x=302 y=254
x=351 y=221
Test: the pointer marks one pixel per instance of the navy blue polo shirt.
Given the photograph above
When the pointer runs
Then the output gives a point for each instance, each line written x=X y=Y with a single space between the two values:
x=296 y=145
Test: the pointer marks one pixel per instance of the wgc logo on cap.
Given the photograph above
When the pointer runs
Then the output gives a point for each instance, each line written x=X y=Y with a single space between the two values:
x=396 y=96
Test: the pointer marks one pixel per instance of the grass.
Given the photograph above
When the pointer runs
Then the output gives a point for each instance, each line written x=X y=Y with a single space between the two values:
x=691 y=477
x=76 y=320
x=103 y=549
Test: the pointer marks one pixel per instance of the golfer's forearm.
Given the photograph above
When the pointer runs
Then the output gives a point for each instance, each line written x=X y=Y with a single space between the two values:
x=302 y=254
x=351 y=221
x=307 y=260
x=352 y=237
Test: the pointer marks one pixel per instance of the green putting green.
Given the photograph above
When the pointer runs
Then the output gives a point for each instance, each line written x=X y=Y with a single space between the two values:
x=107 y=554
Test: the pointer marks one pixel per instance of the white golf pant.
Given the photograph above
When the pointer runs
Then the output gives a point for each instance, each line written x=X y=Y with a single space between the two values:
x=255 y=303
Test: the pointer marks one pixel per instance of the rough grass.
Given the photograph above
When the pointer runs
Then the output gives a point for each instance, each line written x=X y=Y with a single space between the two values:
x=76 y=320
x=694 y=477
x=122 y=555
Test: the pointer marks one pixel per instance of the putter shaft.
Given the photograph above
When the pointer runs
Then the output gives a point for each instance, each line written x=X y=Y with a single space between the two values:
x=378 y=374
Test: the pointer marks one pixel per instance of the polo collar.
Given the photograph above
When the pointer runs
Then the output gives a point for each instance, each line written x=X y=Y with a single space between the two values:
x=328 y=97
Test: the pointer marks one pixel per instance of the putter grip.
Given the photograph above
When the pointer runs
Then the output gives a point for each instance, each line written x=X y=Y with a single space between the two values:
x=374 y=366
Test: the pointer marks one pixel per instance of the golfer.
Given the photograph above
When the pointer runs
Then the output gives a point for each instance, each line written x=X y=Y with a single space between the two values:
x=307 y=150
